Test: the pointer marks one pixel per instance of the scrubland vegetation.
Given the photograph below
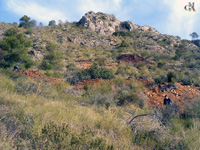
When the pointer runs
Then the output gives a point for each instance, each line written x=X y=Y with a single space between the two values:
x=111 y=115
x=38 y=116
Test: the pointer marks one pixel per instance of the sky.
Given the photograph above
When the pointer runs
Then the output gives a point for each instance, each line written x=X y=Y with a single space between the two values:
x=166 y=16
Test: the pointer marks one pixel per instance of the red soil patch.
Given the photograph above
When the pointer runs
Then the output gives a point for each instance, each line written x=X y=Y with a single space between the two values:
x=134 y=59
x=90 y=82
x=83 y=64
x=34 y=75
x=93 y=82
x=110 y=65
x=180 y=96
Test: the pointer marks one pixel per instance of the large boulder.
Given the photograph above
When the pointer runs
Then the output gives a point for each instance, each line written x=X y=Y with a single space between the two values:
x=100 y=22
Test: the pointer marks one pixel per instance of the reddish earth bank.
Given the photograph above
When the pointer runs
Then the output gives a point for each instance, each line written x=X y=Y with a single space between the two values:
x=34 y=75
x=180 y=94
x=134 y=59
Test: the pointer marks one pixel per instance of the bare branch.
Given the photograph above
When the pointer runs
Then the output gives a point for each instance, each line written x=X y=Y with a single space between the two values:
x=143 y=115
x=2 y=118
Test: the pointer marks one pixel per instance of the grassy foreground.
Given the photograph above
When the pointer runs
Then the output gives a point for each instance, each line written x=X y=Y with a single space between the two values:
x=35 y=115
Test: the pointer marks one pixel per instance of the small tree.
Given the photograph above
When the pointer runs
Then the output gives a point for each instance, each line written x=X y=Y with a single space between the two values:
x=194 y=35
x=123 y=44
x=52 y=22
x=24 y=19
x=41 y=24
x=26 y=22
x=60 y=22
x=14 y=50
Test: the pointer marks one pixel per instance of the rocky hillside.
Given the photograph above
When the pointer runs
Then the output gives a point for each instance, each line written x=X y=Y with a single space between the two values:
x=97 y=83
x=101 y=38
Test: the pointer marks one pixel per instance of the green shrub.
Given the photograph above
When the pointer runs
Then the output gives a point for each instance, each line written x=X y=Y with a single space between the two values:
x=29 y=31
x=192 y=110
x=161 y=64
x=147 y=139
x=162 y=57
x=171 y=76
x=161 y=79
x=99 y=99
x=103 y=18
x=187 y=81
x=46 y=65
x=101 y=61
x=47 y=73
x=188 y=123
x=25 y=86
x=150 y=133
x=51 y=47
x=53 y=136
x=94 y=72
x=129 y=96
x=152 y=140
x=123 y=44
x=11 y=32
x=122 y=33
x=167 y=113
x=197 y=82
x=51 y=60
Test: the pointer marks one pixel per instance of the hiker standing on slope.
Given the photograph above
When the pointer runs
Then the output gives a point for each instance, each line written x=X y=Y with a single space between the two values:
x=167 y=100
x=16 y=68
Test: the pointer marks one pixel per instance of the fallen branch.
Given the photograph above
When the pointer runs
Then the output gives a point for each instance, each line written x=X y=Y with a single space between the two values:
x=143 y=115
x=2 y=118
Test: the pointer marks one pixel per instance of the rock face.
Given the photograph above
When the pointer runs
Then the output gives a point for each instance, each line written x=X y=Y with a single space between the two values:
x=100 y=22
x=107 y=24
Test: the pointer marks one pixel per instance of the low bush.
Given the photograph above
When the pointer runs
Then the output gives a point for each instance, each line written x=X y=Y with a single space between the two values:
x=29 y=31
x=53 y=136
x=128 y=96
x=124 y=44
x=171 y=77
x=192 y=110
x=94 y=72
x=122 y=33
x=187 y=81
x=160 y=79
x=168 y=113
x=161 y=64
x=149 y=133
